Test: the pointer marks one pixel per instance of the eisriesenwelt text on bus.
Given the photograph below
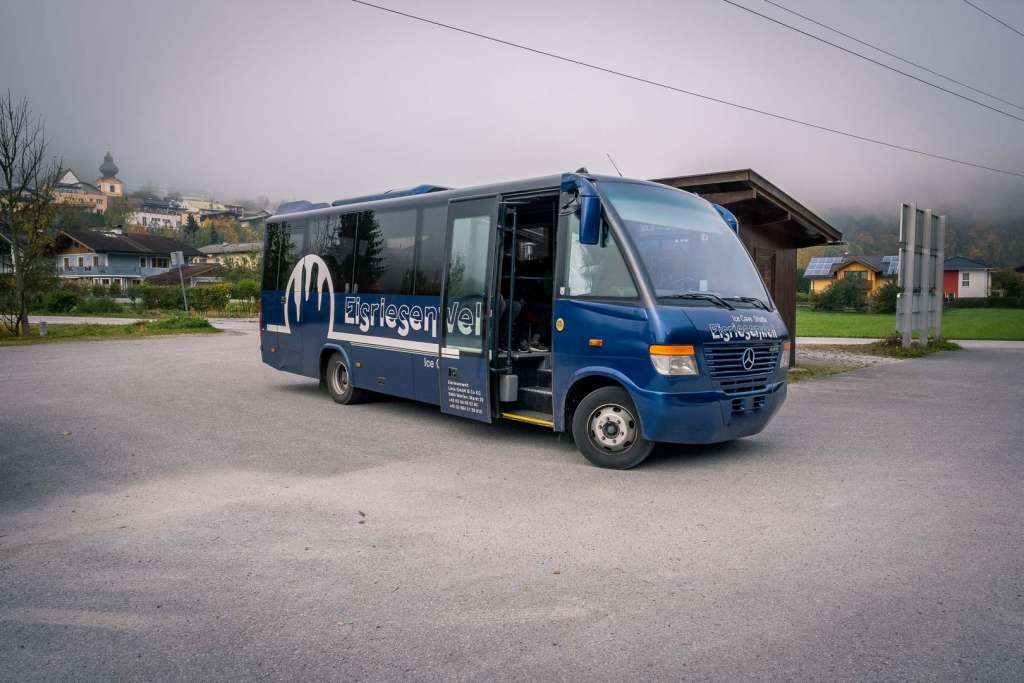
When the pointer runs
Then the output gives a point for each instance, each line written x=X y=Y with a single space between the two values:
x=622 y=311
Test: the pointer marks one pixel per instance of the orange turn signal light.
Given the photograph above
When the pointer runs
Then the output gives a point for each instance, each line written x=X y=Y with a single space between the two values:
x=672 y=350
x=595 y=342
x=787 y=345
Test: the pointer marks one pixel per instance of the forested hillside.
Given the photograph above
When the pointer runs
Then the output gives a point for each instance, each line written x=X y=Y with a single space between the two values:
x=998 y=243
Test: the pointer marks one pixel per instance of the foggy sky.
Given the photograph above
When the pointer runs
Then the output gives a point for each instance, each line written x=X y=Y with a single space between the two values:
x=325 y=99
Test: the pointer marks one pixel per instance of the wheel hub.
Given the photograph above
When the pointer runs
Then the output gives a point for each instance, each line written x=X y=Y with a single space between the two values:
x=340 y=379
x=612 y=428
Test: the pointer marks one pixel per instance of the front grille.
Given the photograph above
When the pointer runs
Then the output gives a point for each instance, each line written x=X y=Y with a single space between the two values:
x=725 y=366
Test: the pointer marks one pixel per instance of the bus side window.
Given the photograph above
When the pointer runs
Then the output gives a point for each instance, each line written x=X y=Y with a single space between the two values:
x=333 y=239
x=293 y=250
x=430 y=256
x=274 y=244
x=596 y=270
x=385 y=248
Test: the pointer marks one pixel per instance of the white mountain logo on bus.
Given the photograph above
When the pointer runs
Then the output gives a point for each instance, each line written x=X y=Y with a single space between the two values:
x=300 y=284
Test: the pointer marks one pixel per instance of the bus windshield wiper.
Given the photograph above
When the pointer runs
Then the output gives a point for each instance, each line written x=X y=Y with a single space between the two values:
x=749 y=300
x=704 y=296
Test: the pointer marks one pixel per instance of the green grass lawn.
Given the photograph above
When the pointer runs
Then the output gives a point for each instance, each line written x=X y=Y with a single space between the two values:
x=93 y=332
x=957 y=323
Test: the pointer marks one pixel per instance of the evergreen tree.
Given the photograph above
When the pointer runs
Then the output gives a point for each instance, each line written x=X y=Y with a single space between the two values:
x=191 y=230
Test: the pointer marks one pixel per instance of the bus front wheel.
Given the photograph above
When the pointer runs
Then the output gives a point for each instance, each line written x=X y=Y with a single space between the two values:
x=606 y=429
x=339 y=381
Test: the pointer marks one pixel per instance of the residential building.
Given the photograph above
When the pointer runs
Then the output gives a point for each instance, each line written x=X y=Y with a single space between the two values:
x=254 y=220
x=876 y=271
x=152 y=217
x=963 y=278
x=75 y=192
x=197 y=204
x=245 y=254
x=114 y=258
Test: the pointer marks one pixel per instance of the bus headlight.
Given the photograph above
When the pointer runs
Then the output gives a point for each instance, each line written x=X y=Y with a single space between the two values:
x=784 y=356
x=674 y=360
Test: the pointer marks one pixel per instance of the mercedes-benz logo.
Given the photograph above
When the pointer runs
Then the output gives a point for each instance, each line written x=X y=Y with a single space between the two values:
x=748 y=359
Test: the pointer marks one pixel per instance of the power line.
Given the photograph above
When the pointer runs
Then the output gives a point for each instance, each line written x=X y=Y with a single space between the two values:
x=874 y=61
x=994 y=18
x=893 y=55
x=692 y=93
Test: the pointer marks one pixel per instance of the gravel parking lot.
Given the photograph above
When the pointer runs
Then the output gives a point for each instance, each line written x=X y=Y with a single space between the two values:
x=171 y=509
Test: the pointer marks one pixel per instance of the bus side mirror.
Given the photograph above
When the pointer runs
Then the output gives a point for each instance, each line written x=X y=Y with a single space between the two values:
x=590 y=219
x=728 y=217
x=590 y=206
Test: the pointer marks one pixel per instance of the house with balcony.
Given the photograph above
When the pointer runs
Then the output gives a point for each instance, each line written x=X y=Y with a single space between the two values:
x=875 y=271
x=111 y=257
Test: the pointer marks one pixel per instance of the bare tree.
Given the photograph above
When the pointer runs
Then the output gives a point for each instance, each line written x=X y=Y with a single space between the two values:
x=27 y=179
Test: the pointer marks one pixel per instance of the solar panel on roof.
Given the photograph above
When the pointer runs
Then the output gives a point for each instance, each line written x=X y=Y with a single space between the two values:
x=821 y=265
x=892 y=265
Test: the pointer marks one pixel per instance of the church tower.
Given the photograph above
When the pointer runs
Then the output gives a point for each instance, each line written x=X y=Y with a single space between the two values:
x=108 y=181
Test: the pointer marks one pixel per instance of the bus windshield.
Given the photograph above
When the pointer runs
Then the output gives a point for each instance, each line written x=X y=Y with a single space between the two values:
x=686 y=247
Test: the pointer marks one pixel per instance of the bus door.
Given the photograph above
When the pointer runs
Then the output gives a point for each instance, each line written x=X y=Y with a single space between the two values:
x=465 y=309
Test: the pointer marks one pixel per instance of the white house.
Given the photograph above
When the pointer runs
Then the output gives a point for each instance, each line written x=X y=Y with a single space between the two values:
x=151 y=217
x=964 y=278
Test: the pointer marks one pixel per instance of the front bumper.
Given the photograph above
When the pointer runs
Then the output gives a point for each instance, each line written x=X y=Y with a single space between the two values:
x=706 y=417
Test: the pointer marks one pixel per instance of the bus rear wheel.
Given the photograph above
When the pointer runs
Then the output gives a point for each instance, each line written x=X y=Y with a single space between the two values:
x=339 y=381
x=606 y=429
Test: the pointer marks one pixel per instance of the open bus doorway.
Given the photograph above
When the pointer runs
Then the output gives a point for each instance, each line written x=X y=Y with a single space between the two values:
x=523 y=330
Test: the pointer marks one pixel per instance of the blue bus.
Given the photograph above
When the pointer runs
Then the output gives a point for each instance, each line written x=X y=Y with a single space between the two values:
x=621 y=311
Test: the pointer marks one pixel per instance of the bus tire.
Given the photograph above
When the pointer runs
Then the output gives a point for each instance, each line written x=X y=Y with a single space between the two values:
x=606 y=429
x=339 y=381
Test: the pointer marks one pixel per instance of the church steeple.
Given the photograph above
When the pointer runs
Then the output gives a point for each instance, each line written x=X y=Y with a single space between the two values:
x=108 y=182
x=108 y=169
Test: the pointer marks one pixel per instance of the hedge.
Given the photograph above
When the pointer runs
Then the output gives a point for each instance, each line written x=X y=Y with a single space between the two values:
x=989 y=302
x=209 y=297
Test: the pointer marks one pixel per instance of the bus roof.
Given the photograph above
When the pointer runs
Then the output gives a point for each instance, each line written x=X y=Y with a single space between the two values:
x=374 y=202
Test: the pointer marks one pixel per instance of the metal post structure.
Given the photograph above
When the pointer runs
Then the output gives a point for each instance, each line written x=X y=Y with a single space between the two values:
x=179 y=258
x=922 y=251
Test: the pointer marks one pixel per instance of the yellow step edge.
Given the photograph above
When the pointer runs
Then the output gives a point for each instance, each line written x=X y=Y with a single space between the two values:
x=531 y=420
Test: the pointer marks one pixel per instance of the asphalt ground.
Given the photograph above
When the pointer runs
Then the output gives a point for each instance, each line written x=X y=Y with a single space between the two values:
x=171 y=509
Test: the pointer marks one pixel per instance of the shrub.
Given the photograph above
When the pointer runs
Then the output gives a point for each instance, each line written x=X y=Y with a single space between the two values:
x=99 y=290
x=1009 y=283
x=60 y=300
x=844 y=294
x=245 y=289
x=884 y=300
x=98 y=304
x=160 y=297
x=180 y=321
x=209 y=297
